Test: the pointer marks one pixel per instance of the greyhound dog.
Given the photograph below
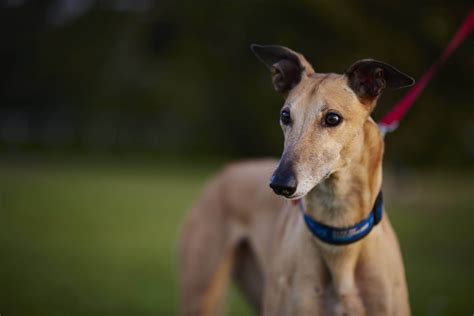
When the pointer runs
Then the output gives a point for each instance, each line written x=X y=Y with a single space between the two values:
x=323 y=249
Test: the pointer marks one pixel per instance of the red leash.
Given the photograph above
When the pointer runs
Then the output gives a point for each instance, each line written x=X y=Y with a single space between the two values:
x=391 y=120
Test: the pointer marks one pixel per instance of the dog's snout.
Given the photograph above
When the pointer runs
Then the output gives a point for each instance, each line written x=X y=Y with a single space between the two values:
x=283 y=181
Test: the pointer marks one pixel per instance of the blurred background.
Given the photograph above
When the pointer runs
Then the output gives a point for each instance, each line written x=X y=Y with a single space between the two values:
x=114 y=113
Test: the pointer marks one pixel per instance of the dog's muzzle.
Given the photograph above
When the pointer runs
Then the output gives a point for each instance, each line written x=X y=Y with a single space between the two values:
x=283 y=181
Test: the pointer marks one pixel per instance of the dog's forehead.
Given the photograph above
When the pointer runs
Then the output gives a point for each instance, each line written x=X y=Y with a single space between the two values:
x=335 y=92
x=324 y=90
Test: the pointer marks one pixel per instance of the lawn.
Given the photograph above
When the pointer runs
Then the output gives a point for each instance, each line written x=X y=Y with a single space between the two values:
x=84 y=237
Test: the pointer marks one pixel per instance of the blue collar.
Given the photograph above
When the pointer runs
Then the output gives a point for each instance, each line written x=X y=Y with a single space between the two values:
x=344 y=236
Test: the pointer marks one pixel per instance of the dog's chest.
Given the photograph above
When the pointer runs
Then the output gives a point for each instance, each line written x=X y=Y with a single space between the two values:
x=300 y=282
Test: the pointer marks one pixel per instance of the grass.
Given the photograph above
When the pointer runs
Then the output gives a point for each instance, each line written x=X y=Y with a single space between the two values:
x=95 y=238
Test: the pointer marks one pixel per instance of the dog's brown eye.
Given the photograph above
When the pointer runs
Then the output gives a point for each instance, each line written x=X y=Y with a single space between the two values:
x=285 y=117
x=332 y=119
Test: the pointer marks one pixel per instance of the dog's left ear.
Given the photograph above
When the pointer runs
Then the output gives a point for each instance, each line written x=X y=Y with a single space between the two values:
x=368 y=77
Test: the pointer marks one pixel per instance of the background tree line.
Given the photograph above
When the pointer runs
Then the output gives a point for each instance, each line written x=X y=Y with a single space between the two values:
x=178 y=78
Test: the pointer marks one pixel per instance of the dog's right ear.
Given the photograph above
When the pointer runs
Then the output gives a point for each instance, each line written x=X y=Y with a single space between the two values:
x=287 y=66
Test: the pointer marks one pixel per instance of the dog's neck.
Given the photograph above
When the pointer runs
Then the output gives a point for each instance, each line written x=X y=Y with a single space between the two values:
x=347 y=196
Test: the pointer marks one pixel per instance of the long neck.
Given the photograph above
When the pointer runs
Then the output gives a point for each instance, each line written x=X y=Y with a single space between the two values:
x=347 y=196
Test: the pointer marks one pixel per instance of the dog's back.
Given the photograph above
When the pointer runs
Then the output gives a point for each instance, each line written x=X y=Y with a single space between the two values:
x=228 y=232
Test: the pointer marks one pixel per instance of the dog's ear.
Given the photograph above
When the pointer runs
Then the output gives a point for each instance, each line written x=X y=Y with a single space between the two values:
x=368 y=77
x=287 y=66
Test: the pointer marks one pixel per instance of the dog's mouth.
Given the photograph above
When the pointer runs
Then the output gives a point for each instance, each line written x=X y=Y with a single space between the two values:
x=295 y=197
x=328 y=174
x=297 y=194
x=293 y=181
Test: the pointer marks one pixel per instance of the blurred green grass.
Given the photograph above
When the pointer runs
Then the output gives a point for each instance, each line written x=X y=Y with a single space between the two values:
x=100 y=238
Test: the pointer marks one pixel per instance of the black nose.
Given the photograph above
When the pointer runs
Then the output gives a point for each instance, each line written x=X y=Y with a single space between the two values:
x=283 y=181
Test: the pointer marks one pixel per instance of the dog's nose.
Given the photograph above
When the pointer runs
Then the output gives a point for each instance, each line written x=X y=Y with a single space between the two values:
x=283 y=183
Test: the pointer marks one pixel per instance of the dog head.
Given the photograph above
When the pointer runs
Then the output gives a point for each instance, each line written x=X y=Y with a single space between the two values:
x=323 y=114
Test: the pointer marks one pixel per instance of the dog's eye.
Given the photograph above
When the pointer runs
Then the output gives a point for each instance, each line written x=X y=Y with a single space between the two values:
x=332 y=119
x=285 y=117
